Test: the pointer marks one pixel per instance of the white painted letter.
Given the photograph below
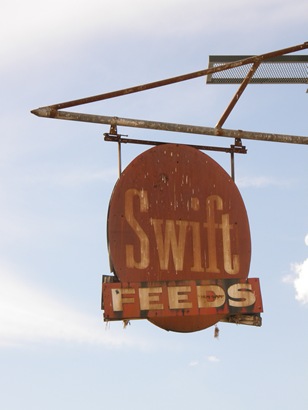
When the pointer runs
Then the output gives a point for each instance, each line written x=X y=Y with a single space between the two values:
x=118 y=299
x=178 y=297
x=147 y=298
x=210 y=296
x=144 y=240
x=241 y=295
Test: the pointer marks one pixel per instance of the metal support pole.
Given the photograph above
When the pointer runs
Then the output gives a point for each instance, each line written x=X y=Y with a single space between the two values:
x=232 y=166
x=237 y=95
x=48 y=112
x=119 y=158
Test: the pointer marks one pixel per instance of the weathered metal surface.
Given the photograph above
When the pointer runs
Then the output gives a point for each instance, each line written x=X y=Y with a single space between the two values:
x=172 y=127
x=52 y=111
x=244 y=319
x=175 y=214
x=183 y=306
x=175 y=220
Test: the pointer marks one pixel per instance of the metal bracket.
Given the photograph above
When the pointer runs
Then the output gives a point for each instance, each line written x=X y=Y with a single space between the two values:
x=113 y=133
x=113 y=136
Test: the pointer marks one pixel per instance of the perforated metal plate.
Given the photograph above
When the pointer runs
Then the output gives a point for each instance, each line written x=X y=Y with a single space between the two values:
x=277 y=70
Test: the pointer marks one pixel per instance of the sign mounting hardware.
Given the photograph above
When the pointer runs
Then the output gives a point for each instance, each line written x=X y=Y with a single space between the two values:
x=254 y=64
x=270 y=68
x=112 y=136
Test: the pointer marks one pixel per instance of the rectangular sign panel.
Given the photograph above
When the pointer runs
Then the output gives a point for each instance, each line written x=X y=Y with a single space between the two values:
x=122 y=300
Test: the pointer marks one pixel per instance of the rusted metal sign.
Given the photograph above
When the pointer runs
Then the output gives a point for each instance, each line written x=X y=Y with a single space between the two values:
x=175 y=214
x=177 y=221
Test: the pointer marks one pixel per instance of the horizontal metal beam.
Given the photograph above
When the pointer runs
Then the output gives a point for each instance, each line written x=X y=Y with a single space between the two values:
x=118 y=138
x=49 y=112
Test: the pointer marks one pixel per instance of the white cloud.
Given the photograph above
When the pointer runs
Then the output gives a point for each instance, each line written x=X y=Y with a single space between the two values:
x=194 y=363
x=30 y=315
x=299 y=279
x=33 y=27
x=260 y=182
x=213 y=359
x=210 y=358
x=73 y=177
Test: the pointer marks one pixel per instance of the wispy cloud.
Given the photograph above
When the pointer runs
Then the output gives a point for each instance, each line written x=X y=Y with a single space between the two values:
x=30 y=315
x=33 y=22
x=193 y=363
x=74 y=177
x=299 y=279
x=213 y=359
x=210 y=359
x=260 y=182
x=48 y=28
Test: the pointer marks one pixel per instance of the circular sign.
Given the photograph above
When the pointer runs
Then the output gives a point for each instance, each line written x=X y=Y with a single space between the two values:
x=175 y=214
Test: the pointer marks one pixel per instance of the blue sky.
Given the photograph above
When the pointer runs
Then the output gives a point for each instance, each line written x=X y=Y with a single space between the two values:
x=56 y=181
